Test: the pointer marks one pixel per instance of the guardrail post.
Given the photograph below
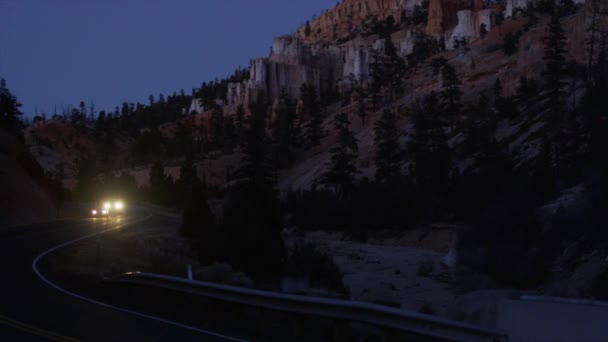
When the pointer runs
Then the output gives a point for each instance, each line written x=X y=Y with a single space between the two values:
x=341 y=331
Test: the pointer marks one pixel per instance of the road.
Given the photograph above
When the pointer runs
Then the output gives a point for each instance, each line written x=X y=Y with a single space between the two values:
x=33 y=310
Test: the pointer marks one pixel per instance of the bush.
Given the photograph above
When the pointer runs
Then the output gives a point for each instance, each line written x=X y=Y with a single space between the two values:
x=307 y=260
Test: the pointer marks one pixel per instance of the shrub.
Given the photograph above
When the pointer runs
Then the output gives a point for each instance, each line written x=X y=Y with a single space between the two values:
x=307 y=260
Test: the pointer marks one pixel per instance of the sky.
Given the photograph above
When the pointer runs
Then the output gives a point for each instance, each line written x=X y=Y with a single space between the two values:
x=61 y=52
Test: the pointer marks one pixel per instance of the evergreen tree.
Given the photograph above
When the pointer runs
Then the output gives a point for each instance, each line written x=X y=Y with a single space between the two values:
x=430 y=153
x=230 y=135
x=394 y=68
x=483 y=31
x=160 y=184
x=451 y=94
x=377 y=73
x=388 y=152
x=241 y=123
x=251 y=228
x=9 y=108
x=361 y=104
x=313 y=130
x=256 y=166
x=198 y=222
x=555 y=61
x=188 y=178
x=217 y=128
x=284 y=133
x=341 y=167
x=510 y=44
x=183 y=145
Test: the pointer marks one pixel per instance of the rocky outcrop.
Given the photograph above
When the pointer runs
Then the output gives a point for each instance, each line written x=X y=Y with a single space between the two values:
x=443 y=15
x=469 y=23
x=291 y=64
x=346 y=19
x=450 y=19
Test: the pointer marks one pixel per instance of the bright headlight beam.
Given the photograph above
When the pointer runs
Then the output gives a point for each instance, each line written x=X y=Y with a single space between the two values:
x=118 y=205
x=107 y=205
x=94 y=212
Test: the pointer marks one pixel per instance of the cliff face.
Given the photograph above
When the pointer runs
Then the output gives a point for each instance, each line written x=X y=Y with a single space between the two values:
x=344 y=20
x=325 y=59
x=450 y=19
x=291 y=64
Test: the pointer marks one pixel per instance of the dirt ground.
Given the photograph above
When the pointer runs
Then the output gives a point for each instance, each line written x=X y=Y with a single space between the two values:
x=405 y=271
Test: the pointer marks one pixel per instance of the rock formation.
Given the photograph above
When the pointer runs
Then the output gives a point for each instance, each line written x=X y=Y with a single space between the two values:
x=450 y=19
x=343 y=21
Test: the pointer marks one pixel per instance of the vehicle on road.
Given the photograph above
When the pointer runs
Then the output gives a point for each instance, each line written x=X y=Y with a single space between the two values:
x=99 y=212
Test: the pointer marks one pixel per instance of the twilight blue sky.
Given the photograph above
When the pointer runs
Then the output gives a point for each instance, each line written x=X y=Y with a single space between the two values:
x=55 y=52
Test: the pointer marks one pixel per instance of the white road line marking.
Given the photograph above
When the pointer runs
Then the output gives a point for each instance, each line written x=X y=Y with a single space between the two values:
x=135 y=313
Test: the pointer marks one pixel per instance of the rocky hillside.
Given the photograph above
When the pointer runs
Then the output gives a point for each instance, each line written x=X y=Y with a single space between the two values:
x=25 y=196
x=334 y=54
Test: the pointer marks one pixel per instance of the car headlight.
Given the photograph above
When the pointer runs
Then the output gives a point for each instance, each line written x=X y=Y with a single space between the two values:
x=94 y=212
x=107 y=205
x=118 y=205
x=104 y=212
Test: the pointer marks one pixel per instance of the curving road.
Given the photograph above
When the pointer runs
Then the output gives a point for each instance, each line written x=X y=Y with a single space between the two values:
x=34 y=309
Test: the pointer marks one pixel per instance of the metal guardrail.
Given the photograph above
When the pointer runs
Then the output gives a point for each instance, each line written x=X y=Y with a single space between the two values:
x=378 y=315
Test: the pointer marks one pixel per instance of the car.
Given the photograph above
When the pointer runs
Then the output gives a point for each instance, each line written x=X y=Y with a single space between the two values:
x=114 y=206
x=99 y=212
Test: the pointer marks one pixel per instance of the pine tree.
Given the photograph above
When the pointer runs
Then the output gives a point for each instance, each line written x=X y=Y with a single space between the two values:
x=451 y=94
x=217 y=128
x=430 y=153
x=241 y=123
x=361 y=104
x=388 y=152
x=483 y=31
x=377 y=73
x=230 y=135
x=160 y=184
x=188 y=180
x=394 y=68
x=555 y=61
x=284 y=133
x=198 y=222
x=341 y=167
x=256 y=166
x=313 y=130
x=9 y=108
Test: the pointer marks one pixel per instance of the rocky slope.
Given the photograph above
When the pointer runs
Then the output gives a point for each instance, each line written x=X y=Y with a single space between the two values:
x=24 y=197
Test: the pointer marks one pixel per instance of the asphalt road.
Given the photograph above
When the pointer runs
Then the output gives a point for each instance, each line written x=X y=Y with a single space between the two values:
x=33 y=310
